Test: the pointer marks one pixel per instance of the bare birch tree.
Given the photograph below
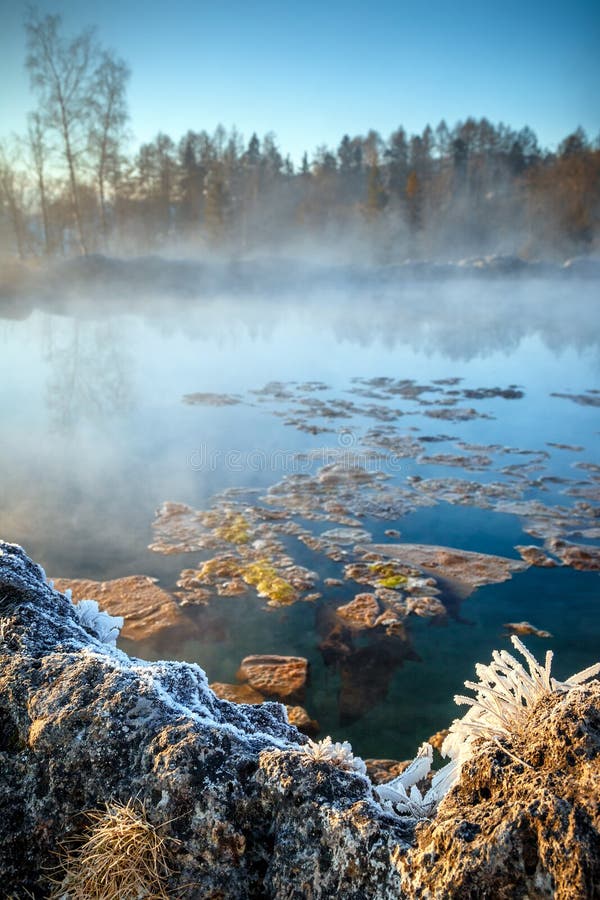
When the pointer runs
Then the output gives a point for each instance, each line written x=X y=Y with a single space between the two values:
x=61 y=74
x=38 y=152
x=107 y=130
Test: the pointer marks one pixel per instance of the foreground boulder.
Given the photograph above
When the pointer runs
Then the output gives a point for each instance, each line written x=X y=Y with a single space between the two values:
x=248 y=807
x=82 y=725
x=524 y=824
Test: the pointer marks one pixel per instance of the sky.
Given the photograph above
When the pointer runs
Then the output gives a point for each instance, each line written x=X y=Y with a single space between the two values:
x=314 y=71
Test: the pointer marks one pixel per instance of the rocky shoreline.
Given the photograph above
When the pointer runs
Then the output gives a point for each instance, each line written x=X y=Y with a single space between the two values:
x=248 y=806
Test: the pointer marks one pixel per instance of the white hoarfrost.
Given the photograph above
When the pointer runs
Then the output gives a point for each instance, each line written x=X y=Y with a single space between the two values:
x=104 y=626
x=336 y=753
x=504 y=696
x=402 y=793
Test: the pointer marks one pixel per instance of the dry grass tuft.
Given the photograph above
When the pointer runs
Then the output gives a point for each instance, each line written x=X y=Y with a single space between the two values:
x=121 y=855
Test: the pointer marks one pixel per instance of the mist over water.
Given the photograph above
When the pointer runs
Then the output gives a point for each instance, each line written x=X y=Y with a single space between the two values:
x=100 y=354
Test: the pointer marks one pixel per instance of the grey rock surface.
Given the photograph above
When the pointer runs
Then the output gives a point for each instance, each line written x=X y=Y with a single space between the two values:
x=82 y=724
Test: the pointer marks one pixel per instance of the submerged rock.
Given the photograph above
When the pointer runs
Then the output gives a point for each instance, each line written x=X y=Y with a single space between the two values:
x=208 y=399
x=237 y=693
x=456 y=414
x=250 y=553
x=192 y=590
x=179 y=529
x=282 y=677
x=362 y=612
x=366 y=673
x=464 y=566
x=146 y=608
x=574 y=448
x=436 y=740
x=459 y=491
x=426 y=607
x=590 y=398
x=469 y=463
x=300 y=719
x=382 y=770
x=535 y=556
x=346 y=535
x=578 y=556
x=525 y=628
x=374 y=569
x=512 y=392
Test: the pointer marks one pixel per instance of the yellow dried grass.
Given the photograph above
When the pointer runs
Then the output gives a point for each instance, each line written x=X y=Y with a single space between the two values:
x=120 y=855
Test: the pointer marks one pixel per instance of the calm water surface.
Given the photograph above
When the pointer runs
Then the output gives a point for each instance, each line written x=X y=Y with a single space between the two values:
x=95 y=437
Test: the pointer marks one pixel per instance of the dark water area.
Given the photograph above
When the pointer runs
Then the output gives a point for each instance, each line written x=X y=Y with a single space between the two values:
x=460 y=376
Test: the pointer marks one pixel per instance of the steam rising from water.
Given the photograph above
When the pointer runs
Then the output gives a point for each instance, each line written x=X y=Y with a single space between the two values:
x=460 y=310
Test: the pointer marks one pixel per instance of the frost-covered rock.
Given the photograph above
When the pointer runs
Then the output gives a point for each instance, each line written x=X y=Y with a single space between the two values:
x=82 y=724
x=523 y=819
x=504 y=698
x=257 y=811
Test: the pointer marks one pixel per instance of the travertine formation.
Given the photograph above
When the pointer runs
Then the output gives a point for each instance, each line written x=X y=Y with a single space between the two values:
x=464 y=566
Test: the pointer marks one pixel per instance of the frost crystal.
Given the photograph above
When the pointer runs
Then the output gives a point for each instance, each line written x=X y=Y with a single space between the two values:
x=402 y=792
x=104 y=626
x=338 y=754
x=504 y=696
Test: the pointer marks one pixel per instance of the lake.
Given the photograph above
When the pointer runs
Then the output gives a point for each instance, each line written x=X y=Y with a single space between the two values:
x=460 y=412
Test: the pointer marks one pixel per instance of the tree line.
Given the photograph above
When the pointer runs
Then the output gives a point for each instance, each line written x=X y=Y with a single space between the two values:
x=69 y=185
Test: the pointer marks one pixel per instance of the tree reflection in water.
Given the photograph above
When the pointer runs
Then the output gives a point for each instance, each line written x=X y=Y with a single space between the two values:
x=90 y=372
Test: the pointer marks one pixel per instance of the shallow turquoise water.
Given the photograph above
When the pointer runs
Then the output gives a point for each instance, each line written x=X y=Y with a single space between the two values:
x=95 y=437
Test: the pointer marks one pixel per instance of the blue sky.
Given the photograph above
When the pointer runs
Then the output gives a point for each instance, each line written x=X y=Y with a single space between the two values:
x=312 y=72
